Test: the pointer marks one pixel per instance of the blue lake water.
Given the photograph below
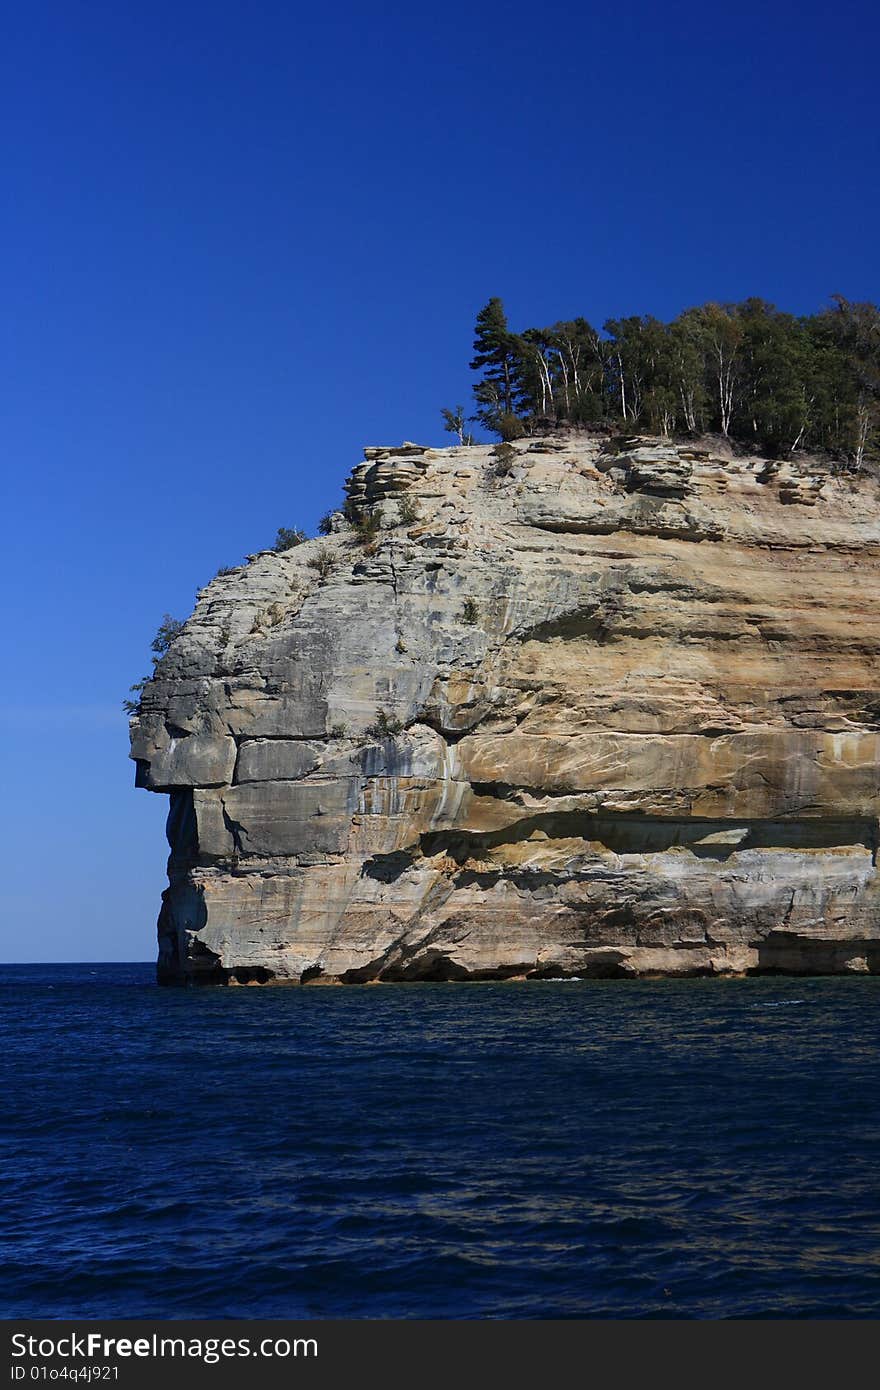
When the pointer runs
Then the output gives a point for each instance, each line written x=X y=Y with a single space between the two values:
x=606 y=1148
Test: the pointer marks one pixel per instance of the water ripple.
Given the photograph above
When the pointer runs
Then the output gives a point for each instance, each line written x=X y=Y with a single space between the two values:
x=585 y=1149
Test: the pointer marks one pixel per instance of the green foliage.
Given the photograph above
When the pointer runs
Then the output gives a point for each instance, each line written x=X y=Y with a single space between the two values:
x=338 y=730
x=134 y=706
x=367 y=526
x=408 y=511
x=505 y=457
x=325 y=525
x=385 y=726
x=288 y=537
x=226 y=569
x=323 y=561
x=168 y=629
x=498 y=354
x=510 y=427
x=771 y=380
x=454 y=422
x=470 y=613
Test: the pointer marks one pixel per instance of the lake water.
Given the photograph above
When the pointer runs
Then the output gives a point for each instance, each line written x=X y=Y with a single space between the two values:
x=606 y=1148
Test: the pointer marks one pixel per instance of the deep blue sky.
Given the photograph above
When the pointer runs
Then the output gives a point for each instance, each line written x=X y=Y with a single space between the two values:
x=240 y=241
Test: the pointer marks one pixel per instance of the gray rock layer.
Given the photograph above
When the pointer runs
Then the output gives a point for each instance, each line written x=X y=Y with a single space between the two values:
x=635 y=723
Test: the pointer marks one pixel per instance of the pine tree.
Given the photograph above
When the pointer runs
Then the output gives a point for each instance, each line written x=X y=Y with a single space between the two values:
x=499 y=355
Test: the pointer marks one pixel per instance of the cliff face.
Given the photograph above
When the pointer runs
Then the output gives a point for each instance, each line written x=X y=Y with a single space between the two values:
x=639 y=702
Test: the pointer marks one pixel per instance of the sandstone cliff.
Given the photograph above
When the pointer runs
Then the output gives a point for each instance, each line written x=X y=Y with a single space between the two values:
x=639 y=710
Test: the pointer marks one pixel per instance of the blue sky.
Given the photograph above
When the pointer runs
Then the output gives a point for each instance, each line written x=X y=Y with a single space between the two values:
x=241 y=241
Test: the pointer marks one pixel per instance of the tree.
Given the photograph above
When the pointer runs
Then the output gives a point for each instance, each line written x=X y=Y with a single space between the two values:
x=857 y=329
x=641 y=370
x=167 y=631
x=723 y=334
x=454 y=422
x=288 y=537
x=831 y=384
x=688 y=368
x=536 y=359
x=169 y=628
x=578 y=362
x=498 y=354
x=626 y=365
x=775 y=378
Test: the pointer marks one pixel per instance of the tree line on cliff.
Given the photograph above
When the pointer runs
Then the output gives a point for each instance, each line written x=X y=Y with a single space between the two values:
x=773 y=381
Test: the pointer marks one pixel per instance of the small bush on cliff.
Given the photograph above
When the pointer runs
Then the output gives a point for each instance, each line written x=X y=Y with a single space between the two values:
x=408 y=511
x=134 y=706
x=367 y=527
x=470 y=613
x=169 y=628
x=385 y=726
x=505 y=457
x=325 y=525
x=323 y=562
x=510 y=427
x=288 y=537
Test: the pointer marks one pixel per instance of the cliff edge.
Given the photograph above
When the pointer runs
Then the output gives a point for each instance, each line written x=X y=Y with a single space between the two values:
x=579 y=706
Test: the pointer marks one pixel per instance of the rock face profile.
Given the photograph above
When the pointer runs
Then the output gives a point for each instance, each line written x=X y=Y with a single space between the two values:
x=577 y=706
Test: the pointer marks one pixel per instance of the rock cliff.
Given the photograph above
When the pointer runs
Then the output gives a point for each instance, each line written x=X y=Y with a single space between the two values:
x=580 y=706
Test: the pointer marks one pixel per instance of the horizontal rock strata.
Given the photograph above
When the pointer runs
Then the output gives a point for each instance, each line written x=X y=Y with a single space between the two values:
x=580 y=706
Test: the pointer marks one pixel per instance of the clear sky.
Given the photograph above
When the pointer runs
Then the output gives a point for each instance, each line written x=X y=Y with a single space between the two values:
x=241 y=241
